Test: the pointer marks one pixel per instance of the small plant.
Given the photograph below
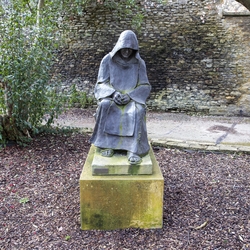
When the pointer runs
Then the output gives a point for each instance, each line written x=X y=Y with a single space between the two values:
x=79 y=99
x=24 y=200
x=67 y=237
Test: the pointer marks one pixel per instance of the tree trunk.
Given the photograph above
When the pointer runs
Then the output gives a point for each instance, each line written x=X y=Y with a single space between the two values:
x=9 y=129
x=40 y=5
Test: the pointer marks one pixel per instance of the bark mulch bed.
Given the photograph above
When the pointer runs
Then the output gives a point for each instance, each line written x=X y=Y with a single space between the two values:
x=206 y=199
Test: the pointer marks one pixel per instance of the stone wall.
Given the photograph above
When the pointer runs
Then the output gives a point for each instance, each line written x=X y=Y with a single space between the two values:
x=197 y=58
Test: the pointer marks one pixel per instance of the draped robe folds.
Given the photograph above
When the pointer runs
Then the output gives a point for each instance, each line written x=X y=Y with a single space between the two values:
x=122 y=127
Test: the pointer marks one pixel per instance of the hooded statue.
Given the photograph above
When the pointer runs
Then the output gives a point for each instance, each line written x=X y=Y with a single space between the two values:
x=121 y=91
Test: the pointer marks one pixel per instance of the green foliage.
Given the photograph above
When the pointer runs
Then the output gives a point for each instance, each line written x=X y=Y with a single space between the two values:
x=53 y=130
x=79 y=99
x=24 y=200
x=67 y=237
x=25 y=62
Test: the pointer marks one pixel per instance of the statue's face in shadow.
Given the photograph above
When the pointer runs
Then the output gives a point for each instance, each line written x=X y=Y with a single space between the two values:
x=126 y=52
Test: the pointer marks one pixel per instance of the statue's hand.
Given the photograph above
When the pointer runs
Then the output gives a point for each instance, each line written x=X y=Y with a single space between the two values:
x=117 y=97
x=125 y=99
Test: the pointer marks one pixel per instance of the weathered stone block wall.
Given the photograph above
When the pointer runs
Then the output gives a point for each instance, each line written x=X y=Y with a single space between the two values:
x=197 y=59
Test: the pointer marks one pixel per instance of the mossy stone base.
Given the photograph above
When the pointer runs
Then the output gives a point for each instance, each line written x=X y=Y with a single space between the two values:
x=118 y=164
x=117 y=202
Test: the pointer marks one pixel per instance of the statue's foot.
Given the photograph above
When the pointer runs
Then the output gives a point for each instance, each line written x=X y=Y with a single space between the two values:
x=134 y=159
x=107 y=152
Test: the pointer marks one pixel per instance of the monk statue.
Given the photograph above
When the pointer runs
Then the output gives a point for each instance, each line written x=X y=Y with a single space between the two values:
x=121 y=91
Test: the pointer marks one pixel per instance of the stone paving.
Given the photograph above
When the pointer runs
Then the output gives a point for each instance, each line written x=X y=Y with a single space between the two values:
x=179 y=130
x=205 y=133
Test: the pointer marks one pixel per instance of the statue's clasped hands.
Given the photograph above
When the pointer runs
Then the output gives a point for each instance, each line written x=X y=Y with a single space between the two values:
x=121 y=99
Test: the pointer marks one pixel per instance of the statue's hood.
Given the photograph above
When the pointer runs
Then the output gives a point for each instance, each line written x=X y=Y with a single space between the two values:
x=127 y=39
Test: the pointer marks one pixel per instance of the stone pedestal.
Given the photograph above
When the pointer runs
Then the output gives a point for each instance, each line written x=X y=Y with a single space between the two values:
x=118 y=165
x=116 y=202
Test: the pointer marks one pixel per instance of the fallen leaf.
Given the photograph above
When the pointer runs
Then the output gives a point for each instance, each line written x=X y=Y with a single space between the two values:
x=241 y=238
x=201 y=226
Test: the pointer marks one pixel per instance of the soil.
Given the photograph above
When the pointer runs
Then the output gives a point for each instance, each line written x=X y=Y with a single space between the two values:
x=206 y=199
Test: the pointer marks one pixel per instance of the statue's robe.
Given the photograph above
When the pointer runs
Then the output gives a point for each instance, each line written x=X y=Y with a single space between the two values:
x=122 y=127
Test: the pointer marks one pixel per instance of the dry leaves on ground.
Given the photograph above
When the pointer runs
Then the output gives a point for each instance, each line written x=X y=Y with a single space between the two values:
x=206 y=199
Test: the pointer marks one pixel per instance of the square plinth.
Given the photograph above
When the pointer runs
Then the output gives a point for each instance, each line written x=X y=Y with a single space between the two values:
x=118 y=164
x=117 y=202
